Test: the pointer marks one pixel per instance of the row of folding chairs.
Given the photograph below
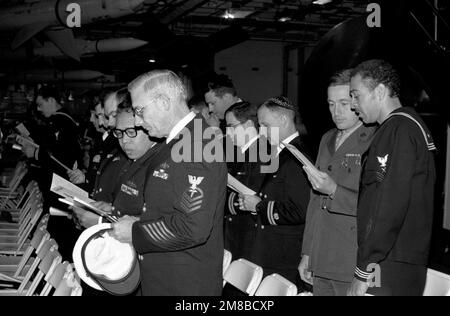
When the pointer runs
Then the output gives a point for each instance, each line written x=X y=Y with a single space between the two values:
x=11 y=191
x=14 y=237
x=247 y=277
x=40 y=270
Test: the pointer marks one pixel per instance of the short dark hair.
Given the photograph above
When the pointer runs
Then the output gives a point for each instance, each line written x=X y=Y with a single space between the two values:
x=244 y=111
x=282 y=103
x=341 y=78
x=377 y=71
x=47 y=92
x=221 y=85
x=197 y=102
x=125 y=104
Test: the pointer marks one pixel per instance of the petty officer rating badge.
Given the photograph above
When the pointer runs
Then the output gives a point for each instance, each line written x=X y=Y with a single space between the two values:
x=192 y=198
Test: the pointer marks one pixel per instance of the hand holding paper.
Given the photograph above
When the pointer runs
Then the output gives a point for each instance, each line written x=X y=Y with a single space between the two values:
x=248 y=202
x=302 y=158
x=237 y=186
x=104 y=206
x=321 y=181
x=76 y=176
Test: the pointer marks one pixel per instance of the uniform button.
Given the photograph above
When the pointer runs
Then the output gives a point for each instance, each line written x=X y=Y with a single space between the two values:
x=330 y=168
x=118 y=213
x=141 y=258
x=260 y=194
x=100 y=190
x=262 y=226
x=230 y=219
x=265 y=196
x=256 y=225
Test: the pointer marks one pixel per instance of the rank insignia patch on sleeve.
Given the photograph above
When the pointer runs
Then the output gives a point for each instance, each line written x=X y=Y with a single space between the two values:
x=383 y=161
x=192 y=198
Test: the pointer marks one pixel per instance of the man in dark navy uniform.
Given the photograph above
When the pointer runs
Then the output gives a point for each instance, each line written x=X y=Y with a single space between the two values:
x=106 y=146
x=58 y=141
x=395 y=208
x=120 y=186
x=282 y=202
x=242 y=127
x=179 y=237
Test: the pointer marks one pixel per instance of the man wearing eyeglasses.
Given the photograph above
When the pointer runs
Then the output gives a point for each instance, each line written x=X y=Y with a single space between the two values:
x=125 y=172
x=180 y=234
x=105 y=116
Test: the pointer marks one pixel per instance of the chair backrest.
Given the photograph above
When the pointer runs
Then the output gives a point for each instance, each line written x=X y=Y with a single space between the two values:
x=46 y=268
x=227 y=256
x=438 y=284
x=244 y=275
x=276 y=285
x=40 y=254
x=40 y=236
x=54 y=279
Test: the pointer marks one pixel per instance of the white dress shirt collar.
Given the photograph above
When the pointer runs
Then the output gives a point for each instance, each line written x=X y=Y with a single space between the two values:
x=247 y=146
x=179 y=126
x=287 y=141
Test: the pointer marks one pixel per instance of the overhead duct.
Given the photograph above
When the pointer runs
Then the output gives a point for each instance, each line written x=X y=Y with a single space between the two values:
x=181 y=10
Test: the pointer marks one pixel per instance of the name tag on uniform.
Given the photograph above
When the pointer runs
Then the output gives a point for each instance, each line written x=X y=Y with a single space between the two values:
x=129 y=190
x=160 y=174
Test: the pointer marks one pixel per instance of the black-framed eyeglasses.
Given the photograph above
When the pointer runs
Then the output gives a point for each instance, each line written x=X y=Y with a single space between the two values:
x=130 y=132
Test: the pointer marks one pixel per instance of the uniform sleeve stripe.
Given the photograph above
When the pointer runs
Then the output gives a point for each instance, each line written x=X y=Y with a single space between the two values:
x=231 y=203
x=196 y=203
x=362 y=274
x=162 y=231
x=195 y=208
x=156 y=237
x=272 y=205
x=270 y=213
x=188 y=206
x=167 y=230
x=158 y=232
x=152 y=237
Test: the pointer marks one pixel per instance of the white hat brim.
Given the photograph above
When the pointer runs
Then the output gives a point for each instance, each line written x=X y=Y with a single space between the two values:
x=76 y=254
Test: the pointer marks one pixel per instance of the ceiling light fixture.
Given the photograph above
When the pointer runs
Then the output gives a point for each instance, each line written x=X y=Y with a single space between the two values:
x=152 y=61
x=284 y=19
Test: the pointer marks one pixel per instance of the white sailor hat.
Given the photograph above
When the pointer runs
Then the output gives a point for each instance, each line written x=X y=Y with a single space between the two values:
x=104 y=263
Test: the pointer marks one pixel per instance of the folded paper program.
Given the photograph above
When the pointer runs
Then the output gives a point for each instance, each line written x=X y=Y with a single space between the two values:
x=237 y=186
x=302 y=158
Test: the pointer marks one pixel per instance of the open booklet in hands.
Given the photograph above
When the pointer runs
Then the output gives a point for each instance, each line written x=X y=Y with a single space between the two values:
x=303 y=159
x=238 y=186
x=77 y=197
